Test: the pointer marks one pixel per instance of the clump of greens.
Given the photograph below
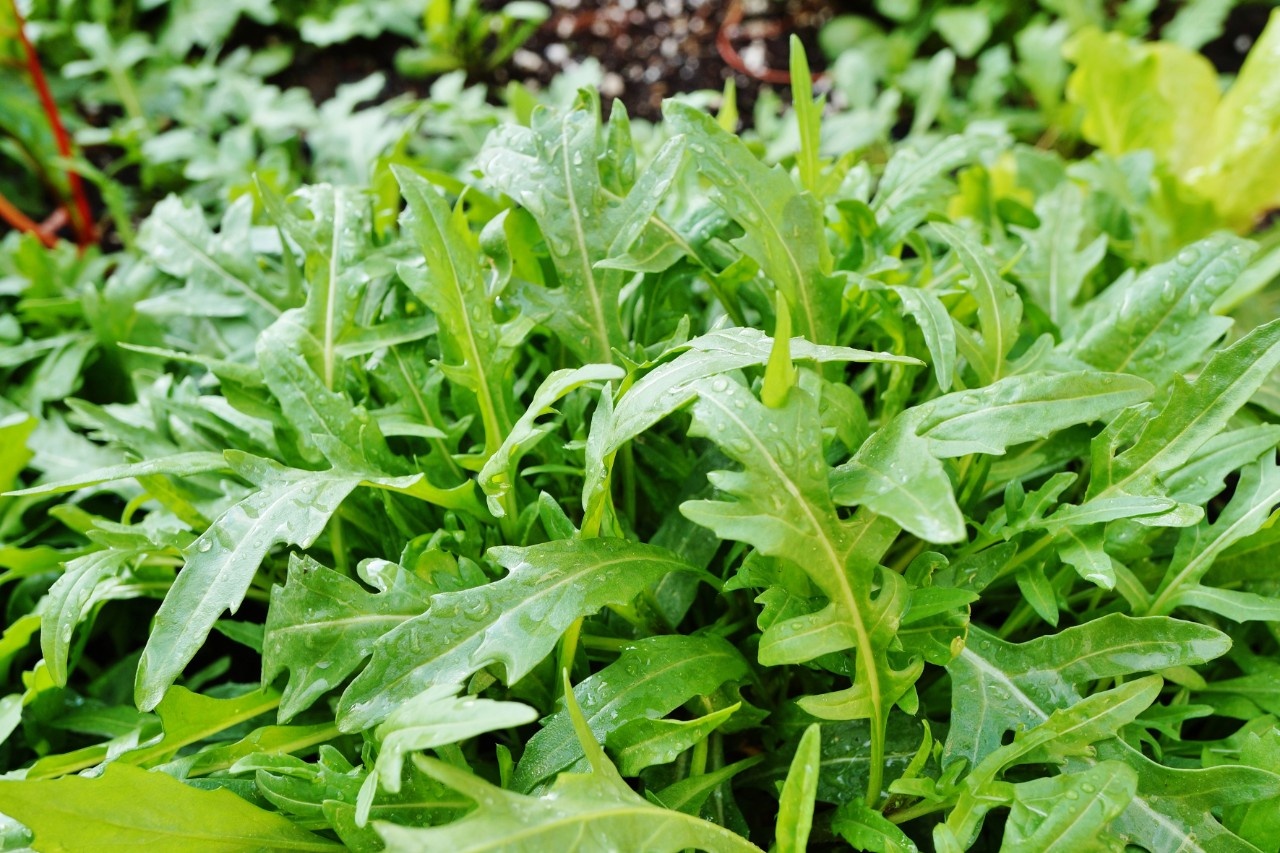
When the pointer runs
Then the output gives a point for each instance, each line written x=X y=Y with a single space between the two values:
x=631 y=490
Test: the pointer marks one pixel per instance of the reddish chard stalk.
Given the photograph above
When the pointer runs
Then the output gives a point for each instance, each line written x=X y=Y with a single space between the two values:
x=22 y=222
x=82 y=218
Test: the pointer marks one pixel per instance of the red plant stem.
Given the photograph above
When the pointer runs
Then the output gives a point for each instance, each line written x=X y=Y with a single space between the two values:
x=19 y=220
x=84 y=219
x=729 y=53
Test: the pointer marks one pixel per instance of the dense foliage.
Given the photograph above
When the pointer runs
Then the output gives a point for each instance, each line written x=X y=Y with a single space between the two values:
x=486 y=477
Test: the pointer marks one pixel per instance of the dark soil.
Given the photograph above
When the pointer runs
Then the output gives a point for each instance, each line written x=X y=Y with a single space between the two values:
x=647 y=49
x=1242 y=28
x=652 y=49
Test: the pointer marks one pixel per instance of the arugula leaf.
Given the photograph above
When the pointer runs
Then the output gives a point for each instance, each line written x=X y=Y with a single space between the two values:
x=479 y=358
x=596 y=808
x=1055 y=266
x=795 y=806
x=782 y=507
x=292 y=507
x=322 y=625
x=123 y=809
x=1194 y=412
x=1160 y=324
x=1000 y=687
x=784 y=228
x=547 y=588
x=552 y=168
x=649 y=679
x=999 y=308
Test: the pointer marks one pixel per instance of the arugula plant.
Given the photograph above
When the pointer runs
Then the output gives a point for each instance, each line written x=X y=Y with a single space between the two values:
x=630 y=491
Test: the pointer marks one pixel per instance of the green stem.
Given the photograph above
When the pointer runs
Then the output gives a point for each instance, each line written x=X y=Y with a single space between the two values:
x=128 y=94
x=920 y=809
x=568 y=649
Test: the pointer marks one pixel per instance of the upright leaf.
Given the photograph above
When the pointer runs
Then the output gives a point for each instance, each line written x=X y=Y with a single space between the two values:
x=795 y=805
x=781 y=505
x=453 y=288
x=785 y=233
x=1257 y=494
x=553 y=169
x=1055 y=265
x=999 y=308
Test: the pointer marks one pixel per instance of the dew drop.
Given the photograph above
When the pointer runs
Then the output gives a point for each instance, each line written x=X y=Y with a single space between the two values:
x=204 y=545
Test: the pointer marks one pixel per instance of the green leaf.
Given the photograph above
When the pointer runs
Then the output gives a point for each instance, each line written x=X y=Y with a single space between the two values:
x=644 y=743
x=325 y=420
x=808 y=117
x=1194 y=413
x=1064 y=733
x=1000 y=687
x=14 y=430
x=190 y=718
x=689 y=794
x=1160 y=324
x=1255 y=497
x=598 y=810
x=795 y=804
x=1141 y=95
x=594 y=811
x=895 y=474
x=220 y=276
x=291 y=507
x=498 y=474
x=781 y=505
x=438 y=717
x=1023 y=408
x=321 y=625
x=1174 y=809
x=965 y=28
x=999 y=308
x=515 y=621
x=939 y=332
x=179 y=465
x=127 y=808
x=452 y=286
x=650 y=679
x=72 y=596
x=867 y=829
x=784 y=227
x=1054 y=269
x=553 y=170
x=913 y=181
x=1072 y=811
x=673 y=384
x=1240 y=175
